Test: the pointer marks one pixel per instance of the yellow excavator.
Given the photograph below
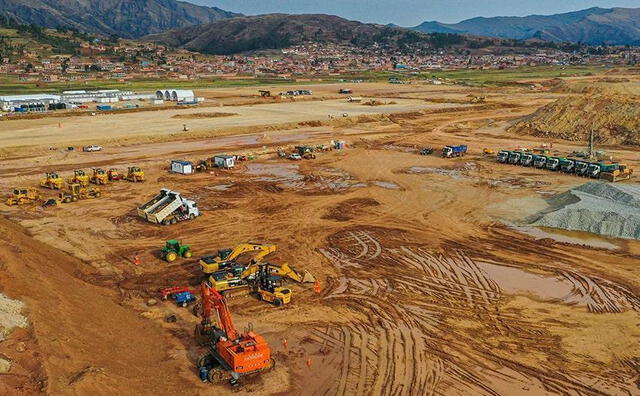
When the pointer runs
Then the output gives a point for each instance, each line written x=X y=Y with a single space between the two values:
x=226 y=257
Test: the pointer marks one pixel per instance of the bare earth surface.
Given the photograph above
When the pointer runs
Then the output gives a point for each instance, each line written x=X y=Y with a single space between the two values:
x=429 y=284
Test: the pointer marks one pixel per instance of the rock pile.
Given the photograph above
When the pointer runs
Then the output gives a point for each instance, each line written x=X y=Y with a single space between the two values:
x=602 y=208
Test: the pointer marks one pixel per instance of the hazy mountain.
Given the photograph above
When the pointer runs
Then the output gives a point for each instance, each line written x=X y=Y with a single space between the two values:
x=275 y=31
x=594 y=26
x=126 y=18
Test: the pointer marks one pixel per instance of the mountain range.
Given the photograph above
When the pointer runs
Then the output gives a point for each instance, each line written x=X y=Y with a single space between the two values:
x=125 y=18
x=594 y=26
x=274 y=31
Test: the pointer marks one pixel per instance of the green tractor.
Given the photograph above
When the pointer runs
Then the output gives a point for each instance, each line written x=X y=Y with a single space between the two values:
x=174 y=249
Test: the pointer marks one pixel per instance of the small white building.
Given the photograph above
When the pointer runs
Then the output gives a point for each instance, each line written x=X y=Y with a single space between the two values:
x=224 y=161
x=182 y=167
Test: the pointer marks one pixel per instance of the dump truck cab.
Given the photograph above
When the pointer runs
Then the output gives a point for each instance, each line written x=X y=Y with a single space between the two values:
x=502 y=156
x=539 y=161
x=580 y=168
x=526 y=159
x=567 y=165
x=514 y=157
x=553 y=163
x=594 y=169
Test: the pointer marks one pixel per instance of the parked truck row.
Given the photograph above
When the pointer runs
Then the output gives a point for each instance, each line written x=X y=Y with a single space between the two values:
x=594 y=169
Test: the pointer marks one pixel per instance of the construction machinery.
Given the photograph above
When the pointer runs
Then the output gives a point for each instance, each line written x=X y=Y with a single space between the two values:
x=526 y=159
x=594 y=169
x=567 y=165
x=53 y=181
x=454 y=151
x=173 y=249
x=268 y=287
x=580 y=168
x=168 y=207
x=514 y=157
x=426 y=151
x=621 y=172
x=553 y=163
x=183 y=296
x=265 y=93
x=114 y=175
x=134 y=174
x=77 y=192
x=539 y=161
x=227 y=257
x=23 y=195
x=99 y=176
x=230 y=354
x=80 y=177
x=503 y=156
x=488 y=152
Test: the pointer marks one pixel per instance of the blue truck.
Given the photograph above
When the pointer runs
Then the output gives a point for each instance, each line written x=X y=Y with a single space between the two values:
x=454 y=151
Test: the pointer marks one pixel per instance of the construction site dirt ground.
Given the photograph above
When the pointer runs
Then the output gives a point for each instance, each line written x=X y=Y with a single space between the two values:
x=431 y=283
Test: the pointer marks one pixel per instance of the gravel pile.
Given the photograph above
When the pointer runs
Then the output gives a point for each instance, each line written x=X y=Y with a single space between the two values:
x=602 y=208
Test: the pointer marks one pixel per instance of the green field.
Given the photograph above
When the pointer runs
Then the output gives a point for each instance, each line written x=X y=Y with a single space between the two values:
x=10 y=85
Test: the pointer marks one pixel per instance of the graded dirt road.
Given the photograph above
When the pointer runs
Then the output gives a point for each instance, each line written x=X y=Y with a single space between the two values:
x=429 y=285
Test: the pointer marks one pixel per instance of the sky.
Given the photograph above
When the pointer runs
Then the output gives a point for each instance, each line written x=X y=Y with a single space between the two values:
x=413 y=12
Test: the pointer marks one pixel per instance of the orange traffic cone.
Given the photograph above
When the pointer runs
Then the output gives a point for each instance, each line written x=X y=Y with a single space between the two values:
x=285 y=343
x=309 y=362
x=136 y=260
x=316 y=287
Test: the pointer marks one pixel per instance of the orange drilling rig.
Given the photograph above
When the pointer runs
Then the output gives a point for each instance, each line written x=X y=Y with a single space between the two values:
x=231 y=354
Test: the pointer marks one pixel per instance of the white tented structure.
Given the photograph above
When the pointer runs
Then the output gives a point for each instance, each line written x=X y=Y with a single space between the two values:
x=176 y=95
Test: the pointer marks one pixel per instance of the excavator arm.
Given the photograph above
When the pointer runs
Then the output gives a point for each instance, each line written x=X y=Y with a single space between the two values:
x=284 y=271
x=212 y=299
x=263 y=249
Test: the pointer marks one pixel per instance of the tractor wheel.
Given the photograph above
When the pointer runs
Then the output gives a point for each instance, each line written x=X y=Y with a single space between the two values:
x=171 y=256
x=277 y=302
x=187 y=254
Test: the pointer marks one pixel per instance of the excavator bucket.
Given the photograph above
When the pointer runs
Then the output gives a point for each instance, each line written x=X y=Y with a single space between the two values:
x=287 y=271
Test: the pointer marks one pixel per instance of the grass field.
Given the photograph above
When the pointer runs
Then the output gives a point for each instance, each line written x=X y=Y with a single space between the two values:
x=10 y=85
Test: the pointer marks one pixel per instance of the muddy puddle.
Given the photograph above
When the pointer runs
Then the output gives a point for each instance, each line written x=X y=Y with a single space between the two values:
x=289 y=176
x=570 y=237
x=386 y=184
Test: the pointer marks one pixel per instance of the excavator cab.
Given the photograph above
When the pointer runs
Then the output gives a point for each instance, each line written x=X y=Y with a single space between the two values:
x=224 y=253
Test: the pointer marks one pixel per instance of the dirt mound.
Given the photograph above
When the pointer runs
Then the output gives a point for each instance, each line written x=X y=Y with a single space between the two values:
x=204 y=115
x=601 y=208
x=347 y=210
x=615 y=119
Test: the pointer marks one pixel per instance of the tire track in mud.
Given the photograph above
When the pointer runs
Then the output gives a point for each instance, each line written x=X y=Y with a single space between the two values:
x=409 y=295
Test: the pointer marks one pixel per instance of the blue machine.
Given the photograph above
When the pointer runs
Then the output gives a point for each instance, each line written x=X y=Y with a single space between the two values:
x=183 y=299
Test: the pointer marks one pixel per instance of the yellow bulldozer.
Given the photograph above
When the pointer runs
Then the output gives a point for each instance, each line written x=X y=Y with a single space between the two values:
x=77 y=192
x=99 y=176
x=79 y=177
x=23 y=195
x=134 y=174
x=53 y=181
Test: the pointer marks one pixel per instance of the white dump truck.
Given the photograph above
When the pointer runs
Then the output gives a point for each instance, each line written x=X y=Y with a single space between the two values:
x=168 y=207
